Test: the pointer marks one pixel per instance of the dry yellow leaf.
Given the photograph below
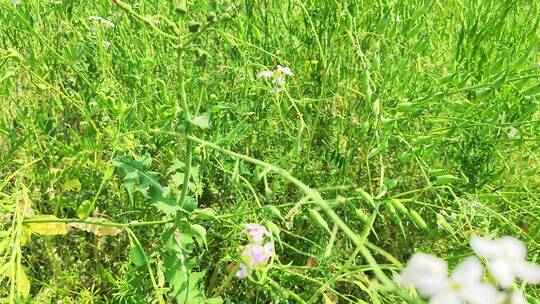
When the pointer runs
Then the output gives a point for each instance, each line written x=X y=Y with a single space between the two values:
x=47 y=228
x=98 y=230
x=23 y=284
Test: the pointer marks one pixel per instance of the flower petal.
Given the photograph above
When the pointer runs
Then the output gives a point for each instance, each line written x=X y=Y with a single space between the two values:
x=481 y=293
x=502 y=271
x=513 y=247
x=285 y=70
x=485 y=247
x=528 y=272
x=445 y=298
x=426 y=273
x=517 y=298
x=468 y=272
x=243 y=272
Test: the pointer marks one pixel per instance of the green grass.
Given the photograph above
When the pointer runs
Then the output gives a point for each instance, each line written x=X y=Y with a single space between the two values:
x=416 y=122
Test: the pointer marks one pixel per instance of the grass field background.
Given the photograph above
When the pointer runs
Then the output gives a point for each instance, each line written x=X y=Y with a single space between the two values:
x=153 y=141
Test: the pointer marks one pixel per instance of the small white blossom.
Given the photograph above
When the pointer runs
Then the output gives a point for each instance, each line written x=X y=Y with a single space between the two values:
x=517 y=298
x=276 y=90
x=506 y=257
x=280 y=80
x=512 y=132
x=428 y=274
x=285 y=70
x=106 y=45
x=15 y=2
x=265 y=74
x=102 y=20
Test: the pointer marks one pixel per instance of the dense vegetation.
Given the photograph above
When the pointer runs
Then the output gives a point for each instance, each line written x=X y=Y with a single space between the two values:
x=138 y=138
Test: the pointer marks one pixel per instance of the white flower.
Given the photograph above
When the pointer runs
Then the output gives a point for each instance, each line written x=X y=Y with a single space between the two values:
x=425 y=273
x=280 y=80
x=506 y=257
x=265 y=74
x=517 y=298
x=15 y=2
x=102 y=20
x=106 y=45
x=285 y=70
x=512 y=132
x=276 y=90
x=428 y=274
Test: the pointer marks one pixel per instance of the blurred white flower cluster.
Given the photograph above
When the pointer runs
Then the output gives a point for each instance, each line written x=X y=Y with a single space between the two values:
x=278 y=77
x=505 y=262
x=255 y=254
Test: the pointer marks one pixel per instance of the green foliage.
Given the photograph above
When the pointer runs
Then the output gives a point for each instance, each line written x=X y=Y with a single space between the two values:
x=145 y=147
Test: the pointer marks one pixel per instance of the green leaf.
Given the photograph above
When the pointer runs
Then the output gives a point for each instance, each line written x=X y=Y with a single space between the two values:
x=206 y=214
x=200 y=234
x=168 y=209
x=71 y=185
x=189 y=204
x=446 y=179
x=84 y=209
x=138 y=178
x=136 y=254
x=217 y=300
x=201 y=121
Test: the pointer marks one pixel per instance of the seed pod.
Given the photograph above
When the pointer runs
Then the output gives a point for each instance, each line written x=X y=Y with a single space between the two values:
x=442 y=223
x=392 y=212
x=366 y=197
x=446 y=179
x=362 y=216
x=316 y=216
x=400 y=207
x=273 y=211
x=418 y=220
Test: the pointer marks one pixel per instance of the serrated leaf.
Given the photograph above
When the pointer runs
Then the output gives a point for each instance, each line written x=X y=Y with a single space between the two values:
x=138 y=178
x=166 y=208
x=201 y=121
x=47 y=228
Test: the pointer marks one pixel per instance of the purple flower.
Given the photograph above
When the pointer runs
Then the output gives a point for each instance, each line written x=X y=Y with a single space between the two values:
x=243 y=272
x=255 y=255
x=256 y=232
